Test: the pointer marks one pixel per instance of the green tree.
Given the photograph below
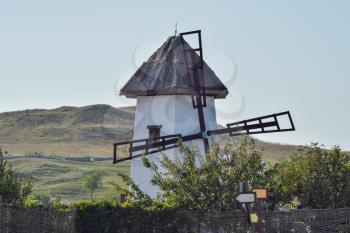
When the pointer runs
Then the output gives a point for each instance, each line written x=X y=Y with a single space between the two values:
x=92 y=182
x=316 y=178
x=202 y=182
x=319 y=178
x=13 y=189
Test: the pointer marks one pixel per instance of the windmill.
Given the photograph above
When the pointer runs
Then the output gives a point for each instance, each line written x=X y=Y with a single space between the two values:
x=176 y=79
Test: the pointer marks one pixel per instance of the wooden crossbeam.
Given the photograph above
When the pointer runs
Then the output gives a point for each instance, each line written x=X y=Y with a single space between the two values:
x=140 y=147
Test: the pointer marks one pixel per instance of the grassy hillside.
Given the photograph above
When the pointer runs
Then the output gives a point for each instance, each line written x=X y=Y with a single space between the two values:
x=89 y=130
x=77 y=131
x=60 y=178
x=273 y=151
x=64 y=179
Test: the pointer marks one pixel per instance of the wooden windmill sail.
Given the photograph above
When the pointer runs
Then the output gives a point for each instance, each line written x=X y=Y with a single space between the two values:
x=177 y=69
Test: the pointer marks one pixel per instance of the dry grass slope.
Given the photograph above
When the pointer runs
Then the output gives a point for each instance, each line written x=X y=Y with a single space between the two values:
x=64 y=179
x=77 y=131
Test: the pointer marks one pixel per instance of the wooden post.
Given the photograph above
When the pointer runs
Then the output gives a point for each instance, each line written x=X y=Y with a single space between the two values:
x=122 y=198
x=258 y=212
x=261 y=194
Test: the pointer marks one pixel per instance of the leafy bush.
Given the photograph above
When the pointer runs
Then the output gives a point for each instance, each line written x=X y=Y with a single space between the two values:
x=317 y=178
x=93 y=216
x=197 y=182
x=13 y=189
x=105 y=217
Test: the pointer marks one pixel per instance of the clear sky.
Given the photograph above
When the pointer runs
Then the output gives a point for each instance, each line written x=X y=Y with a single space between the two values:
x=289 y=55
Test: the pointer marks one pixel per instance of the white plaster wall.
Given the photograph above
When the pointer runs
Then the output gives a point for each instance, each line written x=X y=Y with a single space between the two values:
x=177 y=116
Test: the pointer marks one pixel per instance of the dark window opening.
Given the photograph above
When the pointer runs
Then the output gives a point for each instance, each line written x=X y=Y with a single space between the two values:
x=154 y=132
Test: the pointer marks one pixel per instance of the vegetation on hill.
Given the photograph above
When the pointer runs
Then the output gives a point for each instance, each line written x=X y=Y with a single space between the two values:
x=81 y=131
x=77 y=131
x=61 y=179
x=89 y=130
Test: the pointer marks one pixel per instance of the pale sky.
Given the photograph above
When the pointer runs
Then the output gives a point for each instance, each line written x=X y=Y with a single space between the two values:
x=289 y=55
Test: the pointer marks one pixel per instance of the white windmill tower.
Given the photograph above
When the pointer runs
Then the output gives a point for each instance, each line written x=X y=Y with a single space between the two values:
x=176 y=91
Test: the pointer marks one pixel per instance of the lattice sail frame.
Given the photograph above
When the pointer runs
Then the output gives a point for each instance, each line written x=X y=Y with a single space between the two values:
x=258 y=125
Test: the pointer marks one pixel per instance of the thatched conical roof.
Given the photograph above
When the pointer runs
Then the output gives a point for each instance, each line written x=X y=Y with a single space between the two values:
x=171 y=71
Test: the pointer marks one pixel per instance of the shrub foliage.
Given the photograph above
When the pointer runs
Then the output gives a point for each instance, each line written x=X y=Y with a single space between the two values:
x=317 y=177
x=13 y=189
x=314 y=178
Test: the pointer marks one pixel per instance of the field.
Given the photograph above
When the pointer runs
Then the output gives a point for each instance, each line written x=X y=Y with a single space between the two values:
x=82 y=131
x=75 y=132
x=66 y=131
x=63 y=179
x=60 y=178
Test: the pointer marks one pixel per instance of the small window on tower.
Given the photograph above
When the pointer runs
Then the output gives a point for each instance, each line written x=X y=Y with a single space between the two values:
x=154 y=132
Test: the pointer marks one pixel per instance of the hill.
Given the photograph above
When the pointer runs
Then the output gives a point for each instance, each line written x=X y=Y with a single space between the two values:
x=66 y=131
x=78 y=131
x=64 y=179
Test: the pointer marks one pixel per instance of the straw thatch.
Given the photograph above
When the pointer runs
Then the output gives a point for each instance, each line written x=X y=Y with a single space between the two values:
x=172 y=70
